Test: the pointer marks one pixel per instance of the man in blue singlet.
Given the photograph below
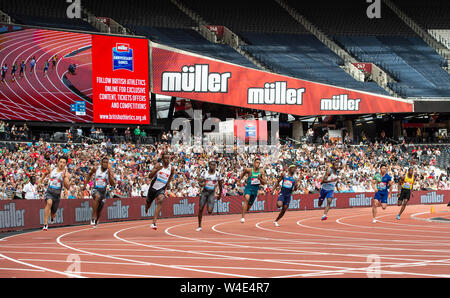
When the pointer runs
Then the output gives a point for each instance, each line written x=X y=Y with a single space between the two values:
x=288 y=185
x=381 y=182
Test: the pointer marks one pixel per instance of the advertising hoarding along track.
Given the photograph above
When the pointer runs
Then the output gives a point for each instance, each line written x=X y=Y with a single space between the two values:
x=182 y=74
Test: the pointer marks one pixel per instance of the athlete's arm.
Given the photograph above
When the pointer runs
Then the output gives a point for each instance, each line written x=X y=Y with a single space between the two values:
x=263 y=178
x=220 y=182
x=156 y=168
x=277 y=185
x=66 y=180
x=112 y=181
x=44 y=176
x=88 y=178
x=325 y=177
x=243 y=174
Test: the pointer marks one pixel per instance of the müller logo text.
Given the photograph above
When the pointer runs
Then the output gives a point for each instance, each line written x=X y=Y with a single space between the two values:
x=339 y=103
x=275 y=93
x=195 y=78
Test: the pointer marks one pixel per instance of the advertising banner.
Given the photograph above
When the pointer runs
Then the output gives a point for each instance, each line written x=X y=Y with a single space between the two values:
x=66 y=76
x=183 y=74
x=29 y=214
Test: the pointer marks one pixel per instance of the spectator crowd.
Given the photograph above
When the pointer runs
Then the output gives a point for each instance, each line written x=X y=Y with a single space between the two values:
x=132 y=164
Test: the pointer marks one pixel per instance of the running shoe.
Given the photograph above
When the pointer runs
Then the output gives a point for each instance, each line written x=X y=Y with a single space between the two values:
x=398 y=217
x=242 y=220
x=276 y=223
x=324 y=217
x=153 y=226
x=374 y=220
x=45 y=228
x=92 y=222
x=52 y=220
x=198 y=229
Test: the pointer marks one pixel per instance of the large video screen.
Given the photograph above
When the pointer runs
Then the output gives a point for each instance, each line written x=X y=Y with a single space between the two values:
x=61 y=76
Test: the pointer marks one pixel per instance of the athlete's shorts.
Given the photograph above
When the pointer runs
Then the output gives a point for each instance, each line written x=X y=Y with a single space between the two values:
x=405 y=194
x=207 y=197
x=252 y=192
x=381 y=197
x=100 y=191
x=55 y=197
x=154 y=193
x=285 y=198
x=325 y=194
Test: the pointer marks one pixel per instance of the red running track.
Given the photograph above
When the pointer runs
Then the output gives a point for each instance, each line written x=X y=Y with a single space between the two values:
x=348 y=244
x=40 y=97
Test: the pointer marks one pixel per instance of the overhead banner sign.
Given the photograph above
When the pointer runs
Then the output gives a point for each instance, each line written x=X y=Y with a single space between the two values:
x=183 y=74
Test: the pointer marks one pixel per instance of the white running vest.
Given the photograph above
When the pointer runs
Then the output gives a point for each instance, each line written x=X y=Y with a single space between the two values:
x=161 y=178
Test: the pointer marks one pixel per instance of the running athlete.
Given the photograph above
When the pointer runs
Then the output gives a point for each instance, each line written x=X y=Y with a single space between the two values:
x=382 y=182
x=161 y=176
x=255 y=179
x=288 y=185
x=32 y=64
x=329 y=181
x=59 y=178
x=54 y=60
x=46 y=65
x=103 y=175
x=22 y=69
x=209 y=180
x=406 y=184
x=4 y=71
x=13 y=72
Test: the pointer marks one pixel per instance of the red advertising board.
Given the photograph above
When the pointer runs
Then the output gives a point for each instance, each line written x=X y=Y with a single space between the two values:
x=29 y=214
x=64 y=76
x=182 y=74
x=120 y=80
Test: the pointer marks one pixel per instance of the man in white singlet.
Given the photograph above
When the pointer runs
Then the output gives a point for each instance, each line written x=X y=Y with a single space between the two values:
x=103 y=175
x=161 y=176
x=58 y=178
x=209 y=180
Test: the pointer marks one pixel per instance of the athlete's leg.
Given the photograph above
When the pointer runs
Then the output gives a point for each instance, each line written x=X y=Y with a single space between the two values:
x=96 y=203
x=201 y=206
x=405 y=201
x=375 y=204
x=328 y=206
x=47 y=210
x=159 y=201
x=246 y=206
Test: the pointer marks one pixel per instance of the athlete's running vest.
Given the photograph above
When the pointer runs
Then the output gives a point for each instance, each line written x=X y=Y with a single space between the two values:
x=56 y=181
x=287 y=184
x=161 y=178
x=330 y=185
x=101 y=178
x=408 y=182
x=211 y=180
x=253 y=180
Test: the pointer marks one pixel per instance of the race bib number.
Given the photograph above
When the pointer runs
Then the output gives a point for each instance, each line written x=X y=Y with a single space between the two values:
x=407 y=185
x=100 y=182
x=55 y=183
x=210 y=184
x=287 y=184
x=381 y=186
x=255 y=181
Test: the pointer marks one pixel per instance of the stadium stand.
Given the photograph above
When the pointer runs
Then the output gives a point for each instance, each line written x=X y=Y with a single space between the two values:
x=386 y=42
x=44 y=13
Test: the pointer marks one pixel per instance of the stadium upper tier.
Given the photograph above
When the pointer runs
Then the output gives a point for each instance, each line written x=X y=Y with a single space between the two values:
x=305 y=57
x=428 y=14
x=416 y=66
x=277 y=39
x=44 y=13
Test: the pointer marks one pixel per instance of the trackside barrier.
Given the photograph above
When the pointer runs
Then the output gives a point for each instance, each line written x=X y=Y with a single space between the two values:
x=18 y=215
